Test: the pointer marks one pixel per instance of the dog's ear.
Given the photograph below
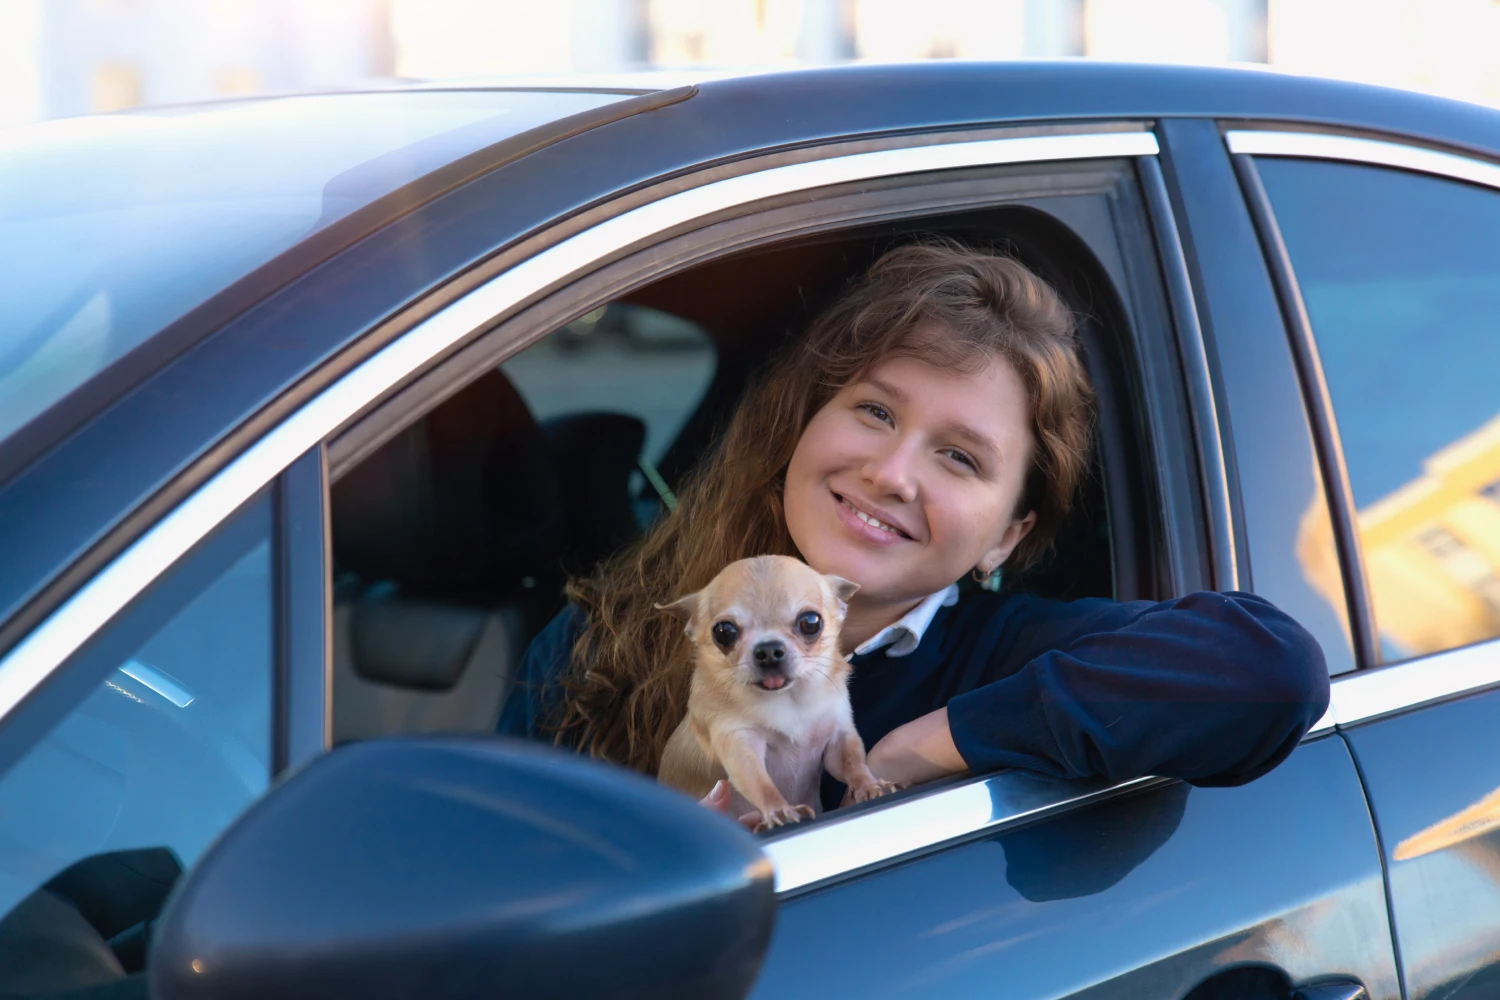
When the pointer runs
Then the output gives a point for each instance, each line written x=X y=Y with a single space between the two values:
x=684 y=607
x=842 y=591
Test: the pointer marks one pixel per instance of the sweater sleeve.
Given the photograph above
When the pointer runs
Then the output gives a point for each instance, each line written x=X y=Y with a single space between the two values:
x=1213 y=688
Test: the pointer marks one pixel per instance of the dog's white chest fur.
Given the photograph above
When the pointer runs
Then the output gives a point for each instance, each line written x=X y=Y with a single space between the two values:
x=796 y=738
x=796 y=727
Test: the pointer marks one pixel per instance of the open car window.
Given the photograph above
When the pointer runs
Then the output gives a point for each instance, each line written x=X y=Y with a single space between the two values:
x=453 y=539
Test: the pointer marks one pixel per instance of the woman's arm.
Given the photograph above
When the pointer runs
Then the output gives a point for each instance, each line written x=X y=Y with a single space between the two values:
x=1213 y=688
x=919 y=751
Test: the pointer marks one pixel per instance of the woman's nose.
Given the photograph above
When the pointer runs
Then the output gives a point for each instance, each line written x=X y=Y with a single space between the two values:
x=892 y=472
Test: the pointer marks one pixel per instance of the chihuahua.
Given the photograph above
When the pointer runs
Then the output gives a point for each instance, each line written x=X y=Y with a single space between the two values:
x=769 y=704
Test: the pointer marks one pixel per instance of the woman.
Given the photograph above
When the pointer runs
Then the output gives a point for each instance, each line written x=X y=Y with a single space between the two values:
x=934 y=422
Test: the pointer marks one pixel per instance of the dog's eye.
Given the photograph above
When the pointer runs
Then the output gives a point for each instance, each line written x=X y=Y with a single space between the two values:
x=809 y=623
x=726 y=634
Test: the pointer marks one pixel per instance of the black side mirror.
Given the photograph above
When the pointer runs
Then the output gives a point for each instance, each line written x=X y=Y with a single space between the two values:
x=453 y=867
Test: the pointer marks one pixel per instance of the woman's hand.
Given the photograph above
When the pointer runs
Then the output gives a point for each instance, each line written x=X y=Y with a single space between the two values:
x=919 y=751
x=719 y=799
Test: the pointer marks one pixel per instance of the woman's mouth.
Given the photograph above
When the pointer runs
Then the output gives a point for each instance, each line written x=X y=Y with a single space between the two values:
x=867 y=525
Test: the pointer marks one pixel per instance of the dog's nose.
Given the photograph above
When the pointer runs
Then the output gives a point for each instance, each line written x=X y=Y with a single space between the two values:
x=770 y=653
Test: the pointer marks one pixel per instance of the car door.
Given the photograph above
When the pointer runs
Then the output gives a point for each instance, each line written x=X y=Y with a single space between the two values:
x=1018 y=885
x=1390 y=270
x=993 y=882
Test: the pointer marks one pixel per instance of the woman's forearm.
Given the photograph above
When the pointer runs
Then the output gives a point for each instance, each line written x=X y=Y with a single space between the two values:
x=919 y=751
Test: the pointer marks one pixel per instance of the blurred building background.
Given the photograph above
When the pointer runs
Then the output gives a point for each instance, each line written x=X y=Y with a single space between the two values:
x=69 y=57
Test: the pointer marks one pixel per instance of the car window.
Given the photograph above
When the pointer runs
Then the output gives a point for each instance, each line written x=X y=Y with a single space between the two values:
x=1400 y=274
x=112 y=227
x=167 y=741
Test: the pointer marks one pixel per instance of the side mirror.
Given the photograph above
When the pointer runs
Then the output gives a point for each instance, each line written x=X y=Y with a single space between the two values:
x=456 y=867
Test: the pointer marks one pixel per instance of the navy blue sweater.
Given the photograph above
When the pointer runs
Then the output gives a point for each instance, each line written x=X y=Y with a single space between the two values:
x=1212 y=688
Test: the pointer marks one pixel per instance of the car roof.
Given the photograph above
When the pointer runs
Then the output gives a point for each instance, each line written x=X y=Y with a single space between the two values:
x=195 y=385
x=117 y=226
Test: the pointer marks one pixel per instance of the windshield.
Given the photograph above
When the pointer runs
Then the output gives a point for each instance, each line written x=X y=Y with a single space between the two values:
x=112 y=227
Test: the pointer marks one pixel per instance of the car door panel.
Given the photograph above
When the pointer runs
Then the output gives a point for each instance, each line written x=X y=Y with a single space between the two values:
x=1143 y=895
x=1434 y=784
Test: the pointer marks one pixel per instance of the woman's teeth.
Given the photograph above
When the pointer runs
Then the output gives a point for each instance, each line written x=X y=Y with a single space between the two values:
x=875 y=522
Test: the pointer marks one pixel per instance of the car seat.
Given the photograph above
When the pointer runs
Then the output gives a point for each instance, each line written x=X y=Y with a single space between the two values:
x=447 y=543
x=595 y=455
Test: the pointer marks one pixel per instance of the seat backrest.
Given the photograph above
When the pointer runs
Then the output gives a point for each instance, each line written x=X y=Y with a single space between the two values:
x=448 y=543
x=595 y=455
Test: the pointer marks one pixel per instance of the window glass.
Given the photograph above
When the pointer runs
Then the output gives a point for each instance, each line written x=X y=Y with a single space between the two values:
x=111 y=227
x=168 y=738
x=1400 y=273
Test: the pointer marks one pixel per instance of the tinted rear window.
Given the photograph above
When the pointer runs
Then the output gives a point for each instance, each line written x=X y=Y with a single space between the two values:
x=113 y=227
x=1400 y=273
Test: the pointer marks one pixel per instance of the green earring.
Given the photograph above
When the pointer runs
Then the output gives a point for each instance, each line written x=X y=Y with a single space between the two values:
x=987 y=581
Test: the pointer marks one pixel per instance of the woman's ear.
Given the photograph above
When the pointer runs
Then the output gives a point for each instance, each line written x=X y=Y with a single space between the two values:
x=684 y=607
x=1009 y=539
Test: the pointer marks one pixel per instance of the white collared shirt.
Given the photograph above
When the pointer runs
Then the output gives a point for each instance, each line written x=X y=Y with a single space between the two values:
x=905 y=634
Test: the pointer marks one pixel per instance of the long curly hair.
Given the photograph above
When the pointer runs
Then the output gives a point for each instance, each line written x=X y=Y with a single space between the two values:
x=626 y=687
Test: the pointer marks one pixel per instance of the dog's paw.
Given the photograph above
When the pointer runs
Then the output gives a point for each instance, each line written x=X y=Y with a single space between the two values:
x=872 y=789
x=773 y=818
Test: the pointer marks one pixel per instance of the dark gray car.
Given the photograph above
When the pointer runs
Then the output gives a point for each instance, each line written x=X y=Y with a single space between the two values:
x=309 y=405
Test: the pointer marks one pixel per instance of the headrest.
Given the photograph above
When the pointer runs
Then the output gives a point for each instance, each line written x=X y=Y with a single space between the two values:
x=413 y=643
x=465 y=500
x=595 y=455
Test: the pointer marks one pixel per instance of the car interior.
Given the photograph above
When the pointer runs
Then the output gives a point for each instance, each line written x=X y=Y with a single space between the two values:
x=453 y=538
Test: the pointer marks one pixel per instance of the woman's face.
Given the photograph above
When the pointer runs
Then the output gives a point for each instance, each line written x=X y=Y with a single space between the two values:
x=937 y=459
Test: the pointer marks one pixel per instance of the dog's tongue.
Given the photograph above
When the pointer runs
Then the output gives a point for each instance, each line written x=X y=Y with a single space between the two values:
x=772 y=683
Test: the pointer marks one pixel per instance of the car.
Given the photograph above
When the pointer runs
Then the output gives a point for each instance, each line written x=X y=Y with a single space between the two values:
x=309 y=405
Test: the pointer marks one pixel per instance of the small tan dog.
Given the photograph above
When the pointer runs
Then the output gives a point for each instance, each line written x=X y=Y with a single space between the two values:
x=769 y=706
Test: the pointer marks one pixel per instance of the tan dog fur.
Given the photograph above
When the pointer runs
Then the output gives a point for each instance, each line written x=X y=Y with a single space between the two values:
x=772 y=745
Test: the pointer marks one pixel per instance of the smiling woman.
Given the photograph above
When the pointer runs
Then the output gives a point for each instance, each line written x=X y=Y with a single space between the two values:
x=925 y=457
x=933 y=422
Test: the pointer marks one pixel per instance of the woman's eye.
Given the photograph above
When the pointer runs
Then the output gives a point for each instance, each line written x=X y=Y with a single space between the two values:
x=809 y=623
x=962 y=457
x=878 y=412
x=725 y=634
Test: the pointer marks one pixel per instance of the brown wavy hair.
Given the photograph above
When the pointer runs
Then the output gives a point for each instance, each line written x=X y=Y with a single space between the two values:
x=627 y=684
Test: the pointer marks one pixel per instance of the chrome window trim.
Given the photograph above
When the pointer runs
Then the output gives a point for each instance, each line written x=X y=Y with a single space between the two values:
x=1376 y=152
x=62 y=632
x=1366 y=694
x=837 y=847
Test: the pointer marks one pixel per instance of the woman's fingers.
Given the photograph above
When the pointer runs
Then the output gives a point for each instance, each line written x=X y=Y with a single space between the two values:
x=718 y=799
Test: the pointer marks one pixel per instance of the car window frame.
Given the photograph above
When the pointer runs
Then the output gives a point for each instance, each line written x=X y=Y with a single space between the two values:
x=424 y=336
x=1374 y=690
